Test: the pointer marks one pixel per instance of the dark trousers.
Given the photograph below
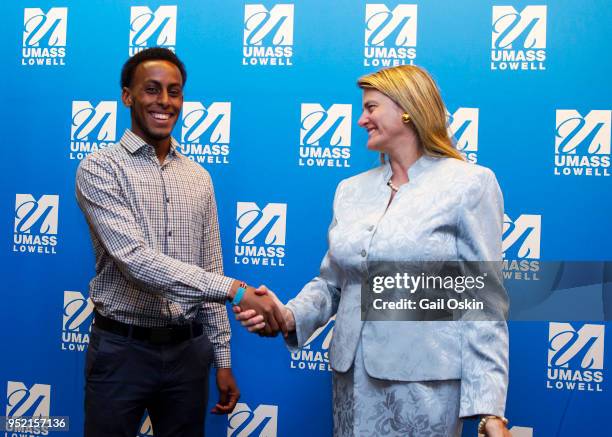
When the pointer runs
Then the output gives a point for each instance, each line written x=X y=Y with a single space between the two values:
x=126 y=376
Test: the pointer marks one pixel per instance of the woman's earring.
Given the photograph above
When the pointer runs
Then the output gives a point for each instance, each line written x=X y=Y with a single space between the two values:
x=405 y=118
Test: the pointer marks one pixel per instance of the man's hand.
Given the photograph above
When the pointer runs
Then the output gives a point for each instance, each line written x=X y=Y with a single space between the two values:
x=266 y=306
x=228 y=392
x=255 y=322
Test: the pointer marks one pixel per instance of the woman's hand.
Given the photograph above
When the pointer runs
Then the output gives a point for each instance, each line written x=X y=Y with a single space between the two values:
x=496 y=428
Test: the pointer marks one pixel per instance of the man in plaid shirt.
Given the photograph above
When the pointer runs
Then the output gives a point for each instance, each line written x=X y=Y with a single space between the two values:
x=159 y=290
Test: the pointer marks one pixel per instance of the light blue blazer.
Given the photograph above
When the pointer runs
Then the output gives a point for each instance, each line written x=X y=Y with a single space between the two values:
x=450 y=210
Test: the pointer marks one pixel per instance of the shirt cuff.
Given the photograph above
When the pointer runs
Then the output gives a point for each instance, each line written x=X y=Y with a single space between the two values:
x=223 y=356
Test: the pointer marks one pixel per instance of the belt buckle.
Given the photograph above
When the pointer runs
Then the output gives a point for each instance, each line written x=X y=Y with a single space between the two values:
x=161 y=335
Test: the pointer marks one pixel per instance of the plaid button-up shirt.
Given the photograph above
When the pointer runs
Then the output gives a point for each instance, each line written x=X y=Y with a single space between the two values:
x=155 y=235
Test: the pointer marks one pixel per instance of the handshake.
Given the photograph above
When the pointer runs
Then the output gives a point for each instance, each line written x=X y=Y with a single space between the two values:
x=259 y=310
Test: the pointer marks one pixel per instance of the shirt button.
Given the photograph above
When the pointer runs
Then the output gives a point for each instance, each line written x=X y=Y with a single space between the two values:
x=371 y=228
x=169 y=233
x=167 y=199
x=364 y=253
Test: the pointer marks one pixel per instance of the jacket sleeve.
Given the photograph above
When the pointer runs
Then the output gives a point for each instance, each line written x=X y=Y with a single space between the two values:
x=109 y=216
x=484 y=344
x=318 y=301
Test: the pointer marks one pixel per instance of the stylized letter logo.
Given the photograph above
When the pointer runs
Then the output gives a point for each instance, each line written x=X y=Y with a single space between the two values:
x=321 y=338
x=77 y=309
x=583 y=135
x=521 y=238
x=36 y=216
x=262 y=422
x=198 y=119
x=261 y=226
x=463 y=125
x=327 y=128
x=22 y=401
x=99 y=122
x=48 y=29
x=150 y=29
x=268 y=28
x=397 y=28
x=512 y=30
x=582 y=349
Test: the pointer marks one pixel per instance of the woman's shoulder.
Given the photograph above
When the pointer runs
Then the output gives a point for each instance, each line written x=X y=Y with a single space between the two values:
x=464 y=173
x=455 y=173
x=464 y=167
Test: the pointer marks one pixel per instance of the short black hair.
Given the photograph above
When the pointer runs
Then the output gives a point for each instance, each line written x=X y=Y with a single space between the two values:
x=151 y=54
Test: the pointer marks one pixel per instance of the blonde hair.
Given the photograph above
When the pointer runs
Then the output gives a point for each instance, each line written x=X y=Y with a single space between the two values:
x=414 y=90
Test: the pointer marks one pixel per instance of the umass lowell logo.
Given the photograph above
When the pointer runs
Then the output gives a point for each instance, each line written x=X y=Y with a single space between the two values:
x=261 y=422
x=521 y=246
x=152 y=29
x=36 y=222
x=582 y=143
x=260 y=234
x=76 y=321
x=44 y=37
x=325 y=135
x=314 y=356
x=463 y=127
x=205 y=132
x=575 y=356
x=23 y=401
x=92 y=127
x=390 y=35
x=518 y=38
x=268 y=35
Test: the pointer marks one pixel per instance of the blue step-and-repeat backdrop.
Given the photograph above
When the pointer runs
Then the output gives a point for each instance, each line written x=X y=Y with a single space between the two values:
x=270 y=111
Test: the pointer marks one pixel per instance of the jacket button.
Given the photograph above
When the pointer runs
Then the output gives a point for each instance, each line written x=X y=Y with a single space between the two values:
x=371 y=228
x=364 y=253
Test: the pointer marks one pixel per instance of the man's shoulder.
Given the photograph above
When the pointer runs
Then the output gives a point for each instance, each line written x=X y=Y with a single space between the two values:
x=108 y=154
x=103 y=158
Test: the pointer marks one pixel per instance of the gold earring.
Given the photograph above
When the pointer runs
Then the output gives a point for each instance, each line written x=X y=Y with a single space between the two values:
x=405 y=118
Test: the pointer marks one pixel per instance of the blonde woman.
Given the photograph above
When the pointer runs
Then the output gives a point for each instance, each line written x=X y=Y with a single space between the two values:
x=424 y=202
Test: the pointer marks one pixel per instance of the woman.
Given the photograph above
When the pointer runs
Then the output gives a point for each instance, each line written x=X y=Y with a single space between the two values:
x=423 y=203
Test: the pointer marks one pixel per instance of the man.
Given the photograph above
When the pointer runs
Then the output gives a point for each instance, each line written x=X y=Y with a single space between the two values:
x=159 y=289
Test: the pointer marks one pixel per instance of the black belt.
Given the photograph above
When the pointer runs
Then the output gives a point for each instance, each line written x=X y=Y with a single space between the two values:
x=172 y=334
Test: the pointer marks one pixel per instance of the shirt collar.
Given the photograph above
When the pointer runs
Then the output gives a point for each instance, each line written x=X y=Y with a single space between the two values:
x=133 y=143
